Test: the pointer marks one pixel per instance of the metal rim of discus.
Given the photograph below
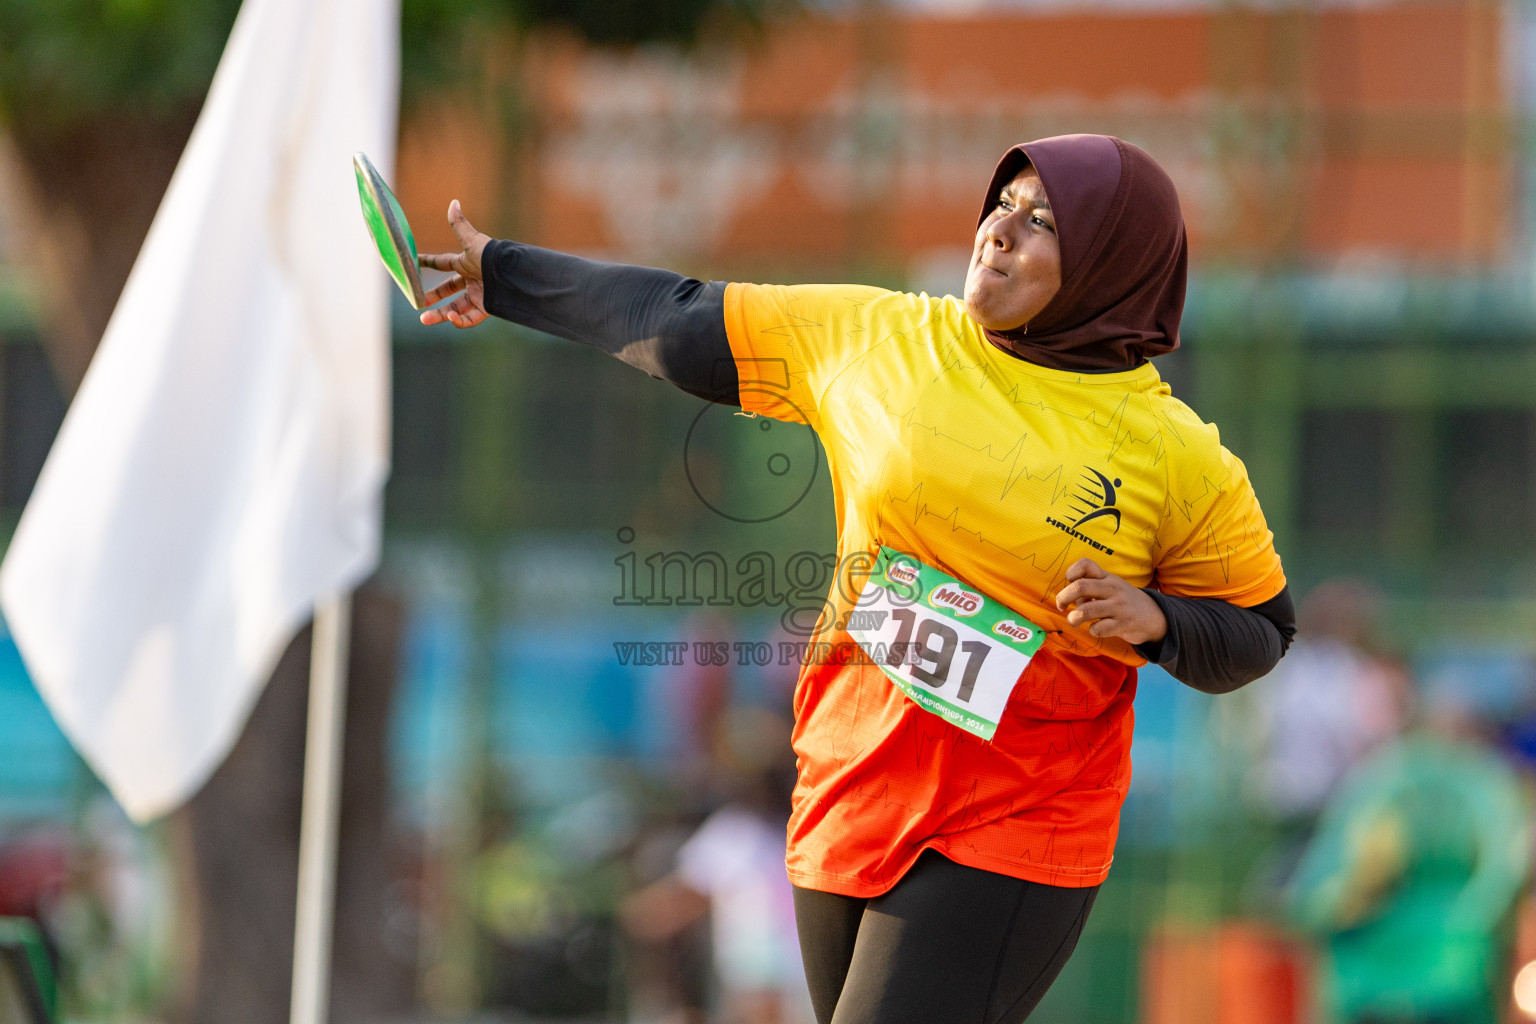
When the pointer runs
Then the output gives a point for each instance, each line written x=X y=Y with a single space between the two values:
x=379 y=204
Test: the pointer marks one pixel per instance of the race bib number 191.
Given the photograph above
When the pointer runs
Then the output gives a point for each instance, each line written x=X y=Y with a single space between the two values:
x=954 y=651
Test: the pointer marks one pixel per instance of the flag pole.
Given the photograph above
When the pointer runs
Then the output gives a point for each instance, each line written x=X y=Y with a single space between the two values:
x=322 y=804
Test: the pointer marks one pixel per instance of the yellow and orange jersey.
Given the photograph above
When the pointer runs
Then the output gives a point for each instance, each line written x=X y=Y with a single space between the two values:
x=1000 y=474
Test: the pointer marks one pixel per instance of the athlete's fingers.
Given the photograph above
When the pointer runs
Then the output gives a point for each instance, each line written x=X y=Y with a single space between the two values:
x=449 y=287
x=1085 y=589
x=464 y=313
x=1087 y=611
x=1085 y=568
x=461 y=312
x=460 y=224
x=440 y=260
x=1105 y=627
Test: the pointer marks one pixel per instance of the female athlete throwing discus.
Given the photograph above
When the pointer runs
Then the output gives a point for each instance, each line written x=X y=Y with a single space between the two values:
x=1025 y=514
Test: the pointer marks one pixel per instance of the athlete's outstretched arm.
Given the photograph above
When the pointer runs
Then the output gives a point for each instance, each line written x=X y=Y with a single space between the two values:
x=670 y=326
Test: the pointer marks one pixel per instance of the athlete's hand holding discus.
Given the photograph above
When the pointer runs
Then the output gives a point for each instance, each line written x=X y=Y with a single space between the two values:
x=467 y=281
x=1109 y=605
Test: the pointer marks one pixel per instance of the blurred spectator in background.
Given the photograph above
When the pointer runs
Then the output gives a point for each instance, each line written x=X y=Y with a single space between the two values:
x=701 y=691
x=732 y=870
x=100 y=899
x=1412 y=876
x=1330 y=701
x=34 y=873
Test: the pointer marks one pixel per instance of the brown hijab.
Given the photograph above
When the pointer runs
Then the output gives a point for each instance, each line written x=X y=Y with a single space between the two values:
x=1123 y=255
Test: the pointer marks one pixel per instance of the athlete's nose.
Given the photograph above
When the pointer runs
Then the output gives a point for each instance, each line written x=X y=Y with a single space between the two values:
x=1000 y=232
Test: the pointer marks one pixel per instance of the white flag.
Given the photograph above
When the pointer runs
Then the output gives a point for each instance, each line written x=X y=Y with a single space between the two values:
x=221 y=468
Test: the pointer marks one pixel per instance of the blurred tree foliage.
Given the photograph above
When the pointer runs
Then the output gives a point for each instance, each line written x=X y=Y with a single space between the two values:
x=67 y=61
x=63 y=62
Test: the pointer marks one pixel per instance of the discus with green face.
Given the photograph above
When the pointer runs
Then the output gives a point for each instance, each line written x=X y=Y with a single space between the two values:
x=391 y=233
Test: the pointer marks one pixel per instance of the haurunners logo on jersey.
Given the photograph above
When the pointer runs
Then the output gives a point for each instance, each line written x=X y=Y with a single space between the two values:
x=957 y=599
x=1092 y=500
x=1014 y=631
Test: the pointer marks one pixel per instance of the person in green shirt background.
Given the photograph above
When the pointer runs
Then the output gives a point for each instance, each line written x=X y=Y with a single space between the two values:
x=1412 y=876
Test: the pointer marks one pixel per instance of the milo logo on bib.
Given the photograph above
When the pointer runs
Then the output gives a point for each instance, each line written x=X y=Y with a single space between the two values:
x=959 y=657
x=1014 y=631
x=956 y=598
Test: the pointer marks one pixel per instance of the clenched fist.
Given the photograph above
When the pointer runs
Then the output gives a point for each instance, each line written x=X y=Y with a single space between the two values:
x=1111 y=605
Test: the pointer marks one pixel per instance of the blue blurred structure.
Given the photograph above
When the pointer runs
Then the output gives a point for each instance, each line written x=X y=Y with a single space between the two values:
x=39 y=772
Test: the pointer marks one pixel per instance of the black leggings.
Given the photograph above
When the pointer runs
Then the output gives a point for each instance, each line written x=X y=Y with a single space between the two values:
x=947 y=945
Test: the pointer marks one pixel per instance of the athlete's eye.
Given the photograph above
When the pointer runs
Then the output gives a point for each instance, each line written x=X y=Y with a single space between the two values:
x=1005 y=206
x=1043 y=223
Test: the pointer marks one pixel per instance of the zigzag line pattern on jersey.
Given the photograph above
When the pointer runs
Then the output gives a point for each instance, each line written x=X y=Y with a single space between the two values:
x=941 y=443
x=799 y=367
x=920 y=510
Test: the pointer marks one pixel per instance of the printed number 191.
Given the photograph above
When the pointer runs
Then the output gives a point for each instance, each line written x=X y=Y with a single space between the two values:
x=930 y=664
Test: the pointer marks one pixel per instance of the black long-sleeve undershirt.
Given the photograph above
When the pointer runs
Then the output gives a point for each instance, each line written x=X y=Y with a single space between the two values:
x=1216 y=646
x=670 y=326
x=673 y=328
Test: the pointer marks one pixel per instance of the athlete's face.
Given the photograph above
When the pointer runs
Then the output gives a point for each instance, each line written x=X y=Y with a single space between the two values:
x=1016 y=264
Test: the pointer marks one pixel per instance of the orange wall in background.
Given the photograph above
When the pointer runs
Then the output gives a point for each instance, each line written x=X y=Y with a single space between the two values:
x=1296 y=138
